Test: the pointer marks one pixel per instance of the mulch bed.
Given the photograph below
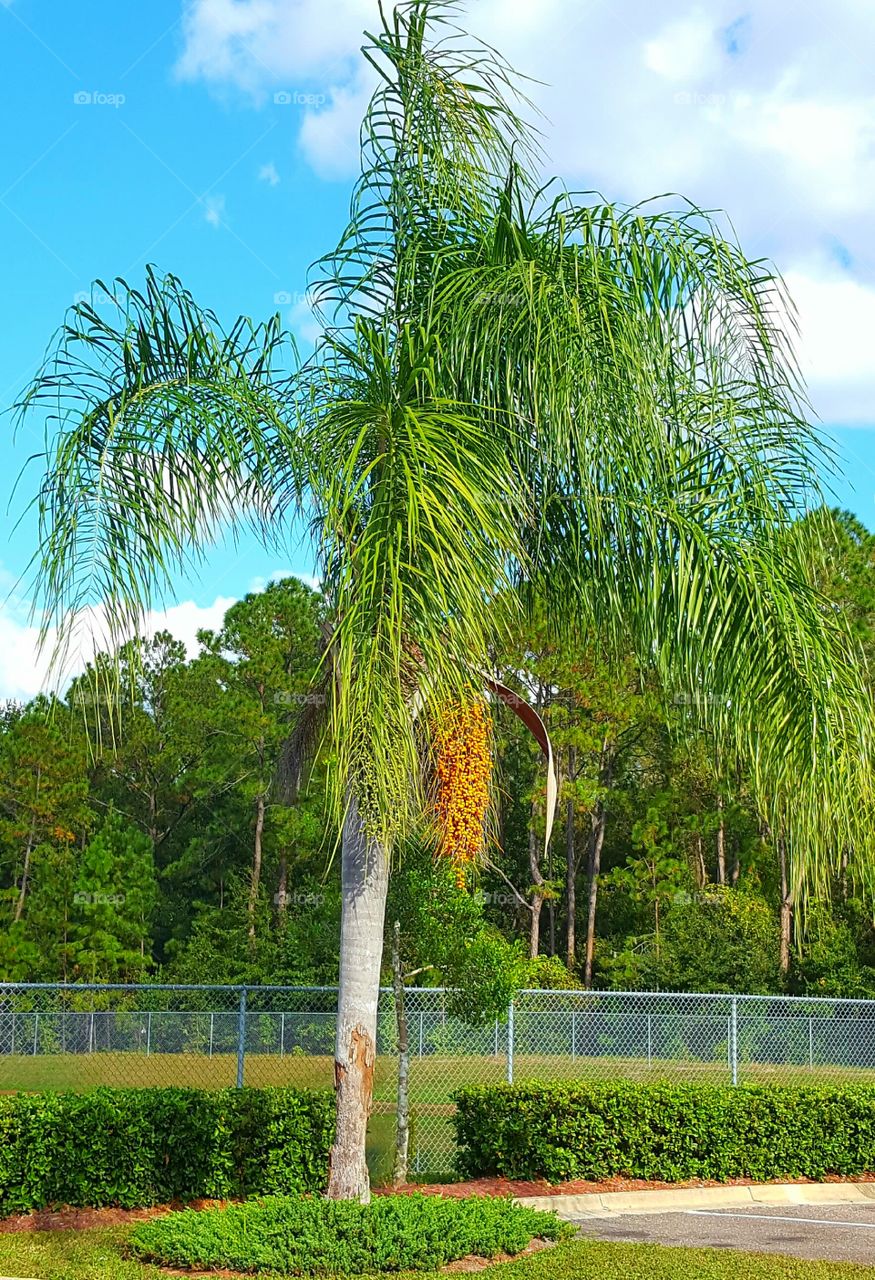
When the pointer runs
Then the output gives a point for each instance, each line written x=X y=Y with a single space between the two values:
x=66 y=1219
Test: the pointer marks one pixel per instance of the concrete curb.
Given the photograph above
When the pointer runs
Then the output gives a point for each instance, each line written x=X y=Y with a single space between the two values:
x=610 y=1204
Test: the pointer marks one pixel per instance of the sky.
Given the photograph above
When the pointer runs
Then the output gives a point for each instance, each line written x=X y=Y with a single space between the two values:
x=217 y=139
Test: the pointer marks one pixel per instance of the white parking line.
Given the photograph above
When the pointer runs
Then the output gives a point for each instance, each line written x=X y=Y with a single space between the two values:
x=773 y=1217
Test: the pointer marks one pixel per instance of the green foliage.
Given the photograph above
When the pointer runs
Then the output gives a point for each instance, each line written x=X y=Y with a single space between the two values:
x=549 y=974
x=114 y=900
x=667 y=1132
x=446 y=941
x=323 y=1237
x=137 y=1147
x=719 y=940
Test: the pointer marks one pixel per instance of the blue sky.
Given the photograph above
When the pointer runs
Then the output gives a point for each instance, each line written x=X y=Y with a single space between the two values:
x=216 y=138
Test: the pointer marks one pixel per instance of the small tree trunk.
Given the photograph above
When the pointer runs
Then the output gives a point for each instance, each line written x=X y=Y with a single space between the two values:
x=402 y=1110
x=735 y=874
x=786 y=907
x=256 y=864
x=701 y=869
x=721 y=843
x=595 y=863
x=570 y=875
x=364 y=881
x=537 y=898
x=282 y=887
x=31 y=841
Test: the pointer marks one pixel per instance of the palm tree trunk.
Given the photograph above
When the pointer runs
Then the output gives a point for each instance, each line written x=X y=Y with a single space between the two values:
x=364 y=881
x=402 y=1109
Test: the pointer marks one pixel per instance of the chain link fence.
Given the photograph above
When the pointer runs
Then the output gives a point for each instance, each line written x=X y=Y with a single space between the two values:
x=78 y=1037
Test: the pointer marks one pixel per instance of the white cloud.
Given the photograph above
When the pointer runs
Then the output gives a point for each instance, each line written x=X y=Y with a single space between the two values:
x=836 y=316
x=25 y=666
x=268 y=173
x=214 y=210
x=766 y=111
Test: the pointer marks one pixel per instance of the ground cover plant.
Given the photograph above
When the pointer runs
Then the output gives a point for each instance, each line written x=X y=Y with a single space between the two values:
x=313 y=1236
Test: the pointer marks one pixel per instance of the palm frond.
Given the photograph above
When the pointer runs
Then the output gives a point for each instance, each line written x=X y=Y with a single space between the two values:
x=162 y=430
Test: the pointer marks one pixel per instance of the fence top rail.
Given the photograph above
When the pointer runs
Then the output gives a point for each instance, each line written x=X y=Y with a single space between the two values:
x=569 y=997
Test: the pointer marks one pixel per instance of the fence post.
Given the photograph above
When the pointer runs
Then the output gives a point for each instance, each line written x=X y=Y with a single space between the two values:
x=810 y=1042
x=241 y=1037
x=212 y=1017
x=573 y=1035
x=734 y=1039
x=282 y=1034
x=421 y=1020
x=148 y=1033
x=510 y=1043
x=649 y=1042
x=35 y=1033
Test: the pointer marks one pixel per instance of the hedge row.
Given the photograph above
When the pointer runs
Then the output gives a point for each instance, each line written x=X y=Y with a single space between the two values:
x=667 y=1132
x=137 y=1147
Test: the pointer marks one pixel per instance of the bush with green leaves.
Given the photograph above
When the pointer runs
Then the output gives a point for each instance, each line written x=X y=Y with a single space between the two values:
x=137 y=1147
x=299 y=1235
x=560 y=1130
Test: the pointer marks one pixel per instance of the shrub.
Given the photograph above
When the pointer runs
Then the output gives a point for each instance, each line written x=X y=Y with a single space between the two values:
x=668 y=1132
x=137 y=1147
x=293 y=1235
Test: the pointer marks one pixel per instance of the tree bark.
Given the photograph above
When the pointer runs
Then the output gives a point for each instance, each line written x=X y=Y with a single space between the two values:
x=537 y=898
x=31 y=841
x=721 y=843
x=786 y=907
x=597 y=840
x=364 y=881
x=570 y=874
x=402 y=1108
x=282 y=887
x=256 y=864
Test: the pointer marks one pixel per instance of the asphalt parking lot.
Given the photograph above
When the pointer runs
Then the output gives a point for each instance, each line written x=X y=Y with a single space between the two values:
x=838 y=1233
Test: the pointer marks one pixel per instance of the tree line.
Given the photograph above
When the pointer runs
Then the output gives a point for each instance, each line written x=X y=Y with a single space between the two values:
x=144 y=834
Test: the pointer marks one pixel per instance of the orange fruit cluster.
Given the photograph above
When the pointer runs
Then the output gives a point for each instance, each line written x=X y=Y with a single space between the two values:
x=462 y=740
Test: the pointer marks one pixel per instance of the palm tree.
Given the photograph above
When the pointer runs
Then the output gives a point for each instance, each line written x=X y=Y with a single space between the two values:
x=523 y=398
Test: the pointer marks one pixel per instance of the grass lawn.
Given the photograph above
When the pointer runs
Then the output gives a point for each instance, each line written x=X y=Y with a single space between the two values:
x=433 y=1078
x=96 y=1255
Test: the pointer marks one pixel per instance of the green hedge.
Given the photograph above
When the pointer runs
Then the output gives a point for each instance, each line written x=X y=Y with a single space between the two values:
x=283 y=1234
x=137 y=1147
x=666 y=1132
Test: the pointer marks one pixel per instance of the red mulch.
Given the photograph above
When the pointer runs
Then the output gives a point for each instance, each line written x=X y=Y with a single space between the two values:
x=66 y=1219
